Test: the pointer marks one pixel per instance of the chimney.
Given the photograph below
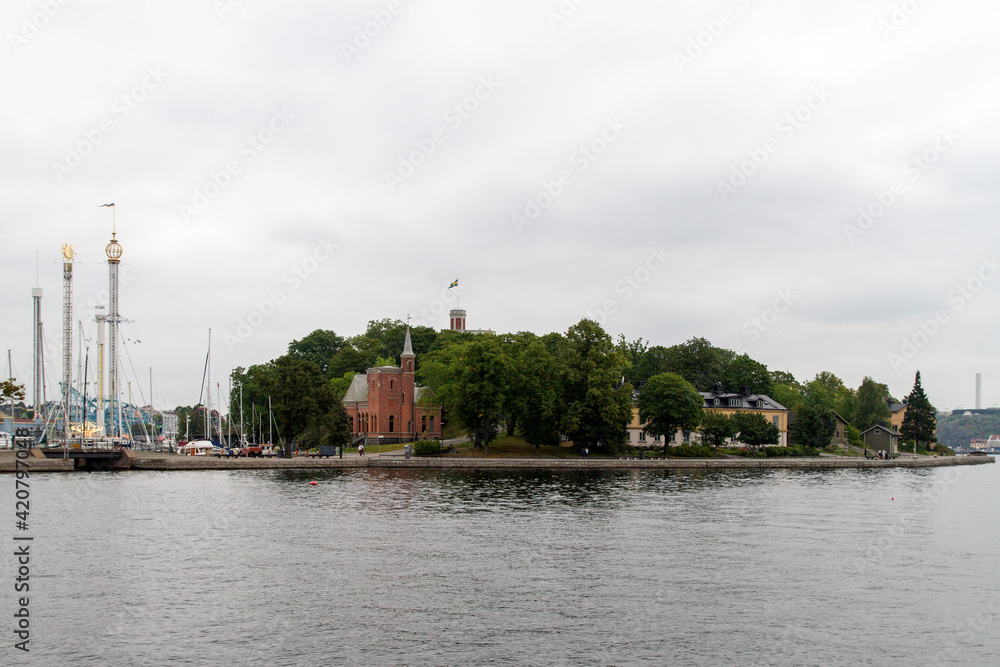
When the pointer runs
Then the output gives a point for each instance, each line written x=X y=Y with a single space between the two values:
x=746 y=391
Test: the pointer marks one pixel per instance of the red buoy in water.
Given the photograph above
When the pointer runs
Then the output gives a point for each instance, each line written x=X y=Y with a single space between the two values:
x=313 y=483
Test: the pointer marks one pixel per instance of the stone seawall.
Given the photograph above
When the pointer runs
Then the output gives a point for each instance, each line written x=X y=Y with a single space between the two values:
x=820 y=463
x=148 y=461
x=36 y=462
x=213 y=463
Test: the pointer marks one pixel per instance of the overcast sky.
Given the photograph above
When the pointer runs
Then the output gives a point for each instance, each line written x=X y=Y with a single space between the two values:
x=812 y=183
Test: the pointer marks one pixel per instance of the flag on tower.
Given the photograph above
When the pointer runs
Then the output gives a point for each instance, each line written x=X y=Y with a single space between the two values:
x=454 y=284
x=103 y=205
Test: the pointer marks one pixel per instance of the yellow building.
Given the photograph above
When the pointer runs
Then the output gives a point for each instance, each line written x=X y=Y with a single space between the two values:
x=717 y=400
x=896 y=413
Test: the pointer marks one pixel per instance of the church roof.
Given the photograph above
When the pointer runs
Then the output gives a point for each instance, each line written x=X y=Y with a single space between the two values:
x=358 y=391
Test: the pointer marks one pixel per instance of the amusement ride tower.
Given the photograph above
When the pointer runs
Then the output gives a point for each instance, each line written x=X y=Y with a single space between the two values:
x=114 y=253
x=67 y=252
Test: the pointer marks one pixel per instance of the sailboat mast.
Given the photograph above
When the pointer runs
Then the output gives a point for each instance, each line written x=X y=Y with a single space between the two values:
x=218 y=391
x=86 y=362
x=208 y=411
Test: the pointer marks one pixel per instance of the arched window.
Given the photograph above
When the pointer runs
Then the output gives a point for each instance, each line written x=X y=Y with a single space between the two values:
x=423 y=424
x=391 y=423
x=430 y=423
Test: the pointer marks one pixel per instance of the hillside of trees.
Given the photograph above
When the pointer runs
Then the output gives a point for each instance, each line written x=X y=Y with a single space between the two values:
x=578 y=383
x=958 y=430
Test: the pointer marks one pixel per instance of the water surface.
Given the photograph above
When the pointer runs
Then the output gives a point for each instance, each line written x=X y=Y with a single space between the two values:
x=371 y=567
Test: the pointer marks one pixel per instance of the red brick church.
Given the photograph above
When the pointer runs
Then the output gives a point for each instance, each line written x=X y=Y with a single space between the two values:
x=384 y=402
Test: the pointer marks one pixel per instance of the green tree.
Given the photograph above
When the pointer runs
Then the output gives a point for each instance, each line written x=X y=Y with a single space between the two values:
x=11 y=390
x=514 y=403
x=388 y=334
x=742 y=371
x=669 y=402
x=854 y=437
x=480 y=377
x=341 y=384
x=698 y=362
x=332 y=429
x=258 y=383
x=633 y=353
x=384 y=338
x=536 y=383
x=755 y=430
x=786 y=390
x=436 y=367
x=782 y=377
x=815 y=424
x=318 y=347
x=302 y=399
x=873 y=404
x=193 y=423
x=829 y=382
x=920 y=419
x=597 y=407
x=716 y=428
x=349 y=359
x=652 y=361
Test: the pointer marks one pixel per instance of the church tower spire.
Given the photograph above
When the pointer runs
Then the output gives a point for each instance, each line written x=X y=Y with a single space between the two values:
x=406 y=361
x=408 y=346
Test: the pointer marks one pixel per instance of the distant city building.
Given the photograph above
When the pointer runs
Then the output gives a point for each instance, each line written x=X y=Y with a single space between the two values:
x=993 y=442
x=385 y=403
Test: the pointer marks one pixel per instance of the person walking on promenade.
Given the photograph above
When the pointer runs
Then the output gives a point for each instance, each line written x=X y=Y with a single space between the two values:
x=361 y=449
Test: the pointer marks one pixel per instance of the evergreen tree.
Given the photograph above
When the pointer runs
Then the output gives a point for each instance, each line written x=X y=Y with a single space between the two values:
x=919 y=422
